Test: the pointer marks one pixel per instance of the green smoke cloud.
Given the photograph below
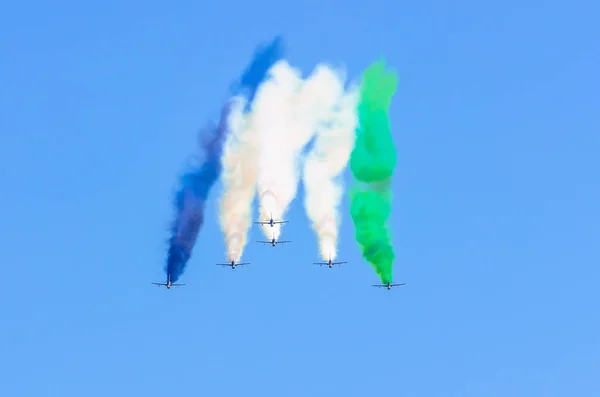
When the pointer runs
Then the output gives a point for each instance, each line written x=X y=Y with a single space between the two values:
x=372 y=162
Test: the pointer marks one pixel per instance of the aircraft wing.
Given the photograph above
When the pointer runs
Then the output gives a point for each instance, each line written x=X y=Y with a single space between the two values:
x=379 y=285
x=279 y=222
x=338 y=263
x=261 y=223
x=159 y=284
x=242 y=264
x=264 y=242
x=223 y=264
x=396 y=285
x=283 y=242
x=320 y=263
x=177 y=285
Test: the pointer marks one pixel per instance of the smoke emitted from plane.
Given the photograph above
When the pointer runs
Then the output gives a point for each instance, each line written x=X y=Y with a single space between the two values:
x=197 y=182
x=285 y=113
x=372 y=163
x=190 y=199
x=239 y=182
x=240 y=155
x=270 y=117
x=323 y=168
x=265 y=56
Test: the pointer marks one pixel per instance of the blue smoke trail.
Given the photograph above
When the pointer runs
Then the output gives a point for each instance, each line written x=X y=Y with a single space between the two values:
x=191 y=198
x=264 y=57
x=196 y=184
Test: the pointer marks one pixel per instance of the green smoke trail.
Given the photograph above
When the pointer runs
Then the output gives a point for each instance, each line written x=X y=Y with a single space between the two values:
x=372 y=162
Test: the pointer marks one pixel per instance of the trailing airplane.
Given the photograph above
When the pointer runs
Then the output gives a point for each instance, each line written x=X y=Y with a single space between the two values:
x=330 y=263
x=168 y=284
x=270 y=222
x=388 y=285
x=233 y=264
x=273 y=242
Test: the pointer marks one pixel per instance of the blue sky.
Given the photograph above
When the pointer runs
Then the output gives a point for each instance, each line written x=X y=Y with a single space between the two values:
x=495 y=211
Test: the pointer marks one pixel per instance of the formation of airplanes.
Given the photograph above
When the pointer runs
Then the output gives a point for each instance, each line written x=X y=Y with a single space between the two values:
x=271 y=222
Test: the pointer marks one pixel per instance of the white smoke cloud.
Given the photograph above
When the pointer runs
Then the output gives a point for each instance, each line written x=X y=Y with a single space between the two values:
x=271 y=115
x=262 y=153
x=239 y=173
x=287 y=111
x=323 y=168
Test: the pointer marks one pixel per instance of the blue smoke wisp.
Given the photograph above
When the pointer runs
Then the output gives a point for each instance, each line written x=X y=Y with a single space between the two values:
x=191 y=199
x=264 y=57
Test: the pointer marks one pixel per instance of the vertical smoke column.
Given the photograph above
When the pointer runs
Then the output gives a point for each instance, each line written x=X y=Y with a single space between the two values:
x=372 y=162
x=286 y=113
x=270 y=118
x=191 y=198
x=240 y=155
x=323 y=167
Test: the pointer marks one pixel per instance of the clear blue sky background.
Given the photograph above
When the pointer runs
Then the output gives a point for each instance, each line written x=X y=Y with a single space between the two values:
x=495 y=221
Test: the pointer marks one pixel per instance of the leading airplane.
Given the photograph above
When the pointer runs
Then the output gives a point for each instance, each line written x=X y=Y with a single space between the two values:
x=274 y=242
x=270 y=222
x=233 y=264
x=388 y=285
x=168 y=284
x=330 y=263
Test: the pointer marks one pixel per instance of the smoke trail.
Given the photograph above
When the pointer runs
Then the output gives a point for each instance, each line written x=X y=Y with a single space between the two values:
x=196 y=184
x=192 y=195
x=285 y=114
x=322 y=169
x=240 y=157
x=372 y=162
x=264 y=57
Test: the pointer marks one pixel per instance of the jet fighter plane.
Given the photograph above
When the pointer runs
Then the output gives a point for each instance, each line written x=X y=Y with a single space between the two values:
x=233 y=264
x=330 y=263
x=168 y=284
x=388 y=285
x=270 y=222
x=274 y=242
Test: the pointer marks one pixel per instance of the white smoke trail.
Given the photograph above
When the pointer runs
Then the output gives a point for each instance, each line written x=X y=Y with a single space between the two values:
x=322 y=170
x=239 y=173
x=270 y=118
x=286 y=113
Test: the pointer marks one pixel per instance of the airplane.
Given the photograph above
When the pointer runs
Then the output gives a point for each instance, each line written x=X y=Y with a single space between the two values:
x=273 y=242
x=388 y=285
x=271 y=222
x=330 y=263
x=232 y=264
x=168 y=284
